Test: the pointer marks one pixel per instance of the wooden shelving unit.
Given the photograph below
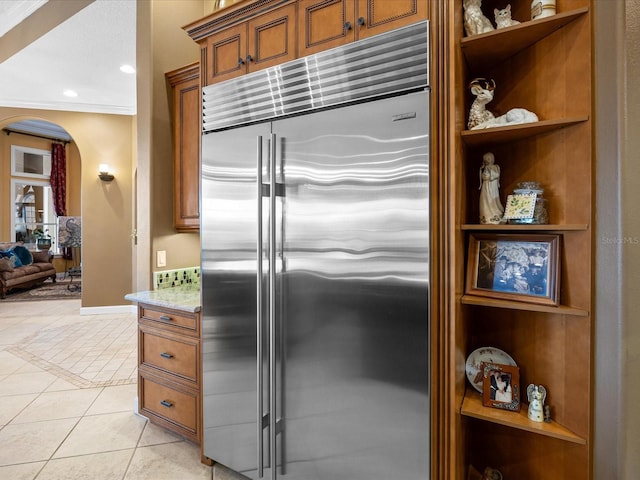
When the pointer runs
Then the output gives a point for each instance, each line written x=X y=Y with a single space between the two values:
x=526 y=228
x=472 y=407
x=544 y=66
x=527 y=307
x=495 y=47
x=496 y=135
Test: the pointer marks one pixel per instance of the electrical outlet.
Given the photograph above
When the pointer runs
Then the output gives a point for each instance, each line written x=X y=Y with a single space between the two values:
x=161 y=258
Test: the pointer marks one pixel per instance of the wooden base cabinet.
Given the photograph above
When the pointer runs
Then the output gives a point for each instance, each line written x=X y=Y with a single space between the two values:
x=170 y=370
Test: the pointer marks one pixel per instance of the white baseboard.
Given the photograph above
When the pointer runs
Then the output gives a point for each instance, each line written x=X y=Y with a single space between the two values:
x=108 y=310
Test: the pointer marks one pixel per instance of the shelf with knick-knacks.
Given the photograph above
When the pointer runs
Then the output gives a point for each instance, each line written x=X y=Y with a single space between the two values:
x=485 y=50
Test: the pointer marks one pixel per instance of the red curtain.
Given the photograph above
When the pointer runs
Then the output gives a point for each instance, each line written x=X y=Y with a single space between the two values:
x=59 y=178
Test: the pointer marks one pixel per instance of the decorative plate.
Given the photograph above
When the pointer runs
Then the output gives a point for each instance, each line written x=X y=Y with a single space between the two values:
x=486 y=355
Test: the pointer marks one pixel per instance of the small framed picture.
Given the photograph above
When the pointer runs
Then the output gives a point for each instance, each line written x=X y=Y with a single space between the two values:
x=520 y=206
x=501 y=386
x=523 y=268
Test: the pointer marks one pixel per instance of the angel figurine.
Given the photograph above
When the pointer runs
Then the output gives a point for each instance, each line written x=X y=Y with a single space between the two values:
x=536 y=394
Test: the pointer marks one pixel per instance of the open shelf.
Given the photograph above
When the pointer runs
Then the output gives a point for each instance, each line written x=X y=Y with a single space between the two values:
x=488 y=49
x=513 y=133
x=573 y=227
x=472 y=407
x=529 y=307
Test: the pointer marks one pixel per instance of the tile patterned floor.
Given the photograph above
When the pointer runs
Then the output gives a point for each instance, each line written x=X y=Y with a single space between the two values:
x=67 y=390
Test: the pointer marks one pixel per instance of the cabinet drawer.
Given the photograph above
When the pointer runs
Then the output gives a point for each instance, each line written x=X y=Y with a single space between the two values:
x=171 y=353
x=177 y=406
x=169 y=319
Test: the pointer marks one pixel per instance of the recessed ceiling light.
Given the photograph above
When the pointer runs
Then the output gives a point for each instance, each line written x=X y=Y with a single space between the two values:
x=70 y=93
x=127 y=69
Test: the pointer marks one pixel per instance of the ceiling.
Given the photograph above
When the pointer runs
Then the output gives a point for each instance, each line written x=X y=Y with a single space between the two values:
x=82 y=53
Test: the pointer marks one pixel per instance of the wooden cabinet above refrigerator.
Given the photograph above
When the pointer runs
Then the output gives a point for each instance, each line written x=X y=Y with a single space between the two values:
x=255 y=34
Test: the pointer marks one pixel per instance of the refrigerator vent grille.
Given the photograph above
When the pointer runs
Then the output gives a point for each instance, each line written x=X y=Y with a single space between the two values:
x=382 y=65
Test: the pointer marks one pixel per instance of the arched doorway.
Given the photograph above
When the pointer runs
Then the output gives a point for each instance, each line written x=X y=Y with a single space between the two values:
x=42 y=162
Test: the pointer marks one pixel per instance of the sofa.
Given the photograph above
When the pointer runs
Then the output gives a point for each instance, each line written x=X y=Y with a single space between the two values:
x=23 y=268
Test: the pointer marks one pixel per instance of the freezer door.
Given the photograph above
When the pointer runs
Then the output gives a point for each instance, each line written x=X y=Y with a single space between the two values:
x=353 y=381
x=231 y=208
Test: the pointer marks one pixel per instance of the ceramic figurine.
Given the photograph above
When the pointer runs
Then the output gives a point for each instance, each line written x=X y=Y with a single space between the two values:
x=474 y=20
x=491 y=474
x=503 y=17
x=480 y=117
x=536 y=394
x=491 y=210
x=547 y=414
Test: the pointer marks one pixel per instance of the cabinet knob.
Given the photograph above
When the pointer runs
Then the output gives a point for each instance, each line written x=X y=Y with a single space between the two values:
x=166 y=355
x=347 y=26
x=361 y=21
x=166 y=403
x=249 y=58
x=240 y=61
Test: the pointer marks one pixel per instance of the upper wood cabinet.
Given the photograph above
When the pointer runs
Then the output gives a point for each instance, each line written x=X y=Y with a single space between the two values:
x=185 y=87
x=263 y=41
x=252 y=35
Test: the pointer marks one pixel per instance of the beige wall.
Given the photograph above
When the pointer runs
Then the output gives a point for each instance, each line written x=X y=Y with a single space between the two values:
x=617 y=334
x=105 y=208
x=162 y=46
x=630 y=252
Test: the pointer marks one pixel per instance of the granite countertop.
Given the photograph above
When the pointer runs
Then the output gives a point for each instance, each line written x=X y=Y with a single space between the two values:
x=185 y=297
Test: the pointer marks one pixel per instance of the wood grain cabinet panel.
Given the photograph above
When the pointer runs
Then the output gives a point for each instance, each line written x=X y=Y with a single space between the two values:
x=176 y=355
x=227 y=53
x=324 y=24
x=174 y=406
x=378 y=16
x=261 y=42
x=272 y=38
x=185 y=85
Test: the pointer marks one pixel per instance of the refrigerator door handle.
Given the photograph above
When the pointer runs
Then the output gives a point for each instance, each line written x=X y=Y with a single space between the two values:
x=272 y=308
x=260 y=409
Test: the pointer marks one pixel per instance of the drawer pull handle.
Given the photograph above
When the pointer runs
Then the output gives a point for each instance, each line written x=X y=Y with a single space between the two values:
x=166 y=318
x=166 y=403
x=166 y=355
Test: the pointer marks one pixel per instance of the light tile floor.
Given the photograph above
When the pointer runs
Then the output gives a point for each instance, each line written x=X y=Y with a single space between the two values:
x=67 y=393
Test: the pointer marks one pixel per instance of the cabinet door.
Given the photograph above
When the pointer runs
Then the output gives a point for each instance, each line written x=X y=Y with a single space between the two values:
x=185 y=84
x=382 y=15
x=226 y=54
x=187 y=155
x=324 y=24
x=272 y=38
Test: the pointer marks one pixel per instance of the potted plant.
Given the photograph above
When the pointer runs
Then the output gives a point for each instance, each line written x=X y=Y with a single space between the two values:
x=43 y=239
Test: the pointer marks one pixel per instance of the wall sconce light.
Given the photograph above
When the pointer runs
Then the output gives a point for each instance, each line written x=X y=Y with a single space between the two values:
x=104 y=174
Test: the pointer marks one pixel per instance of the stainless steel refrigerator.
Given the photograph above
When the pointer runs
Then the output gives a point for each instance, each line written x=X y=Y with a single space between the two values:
x=315 y=265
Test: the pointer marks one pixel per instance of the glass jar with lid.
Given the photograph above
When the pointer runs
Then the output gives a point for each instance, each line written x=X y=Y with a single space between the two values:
x=540 y=212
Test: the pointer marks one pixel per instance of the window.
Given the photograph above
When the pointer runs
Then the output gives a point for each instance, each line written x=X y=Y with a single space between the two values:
x=30 y=162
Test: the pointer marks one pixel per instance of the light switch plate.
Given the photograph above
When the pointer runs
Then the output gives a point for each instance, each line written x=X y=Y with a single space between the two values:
x=161 y=259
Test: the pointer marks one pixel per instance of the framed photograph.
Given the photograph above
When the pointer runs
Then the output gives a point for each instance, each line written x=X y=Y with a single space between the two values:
x=501 y=386
x=523 y=268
